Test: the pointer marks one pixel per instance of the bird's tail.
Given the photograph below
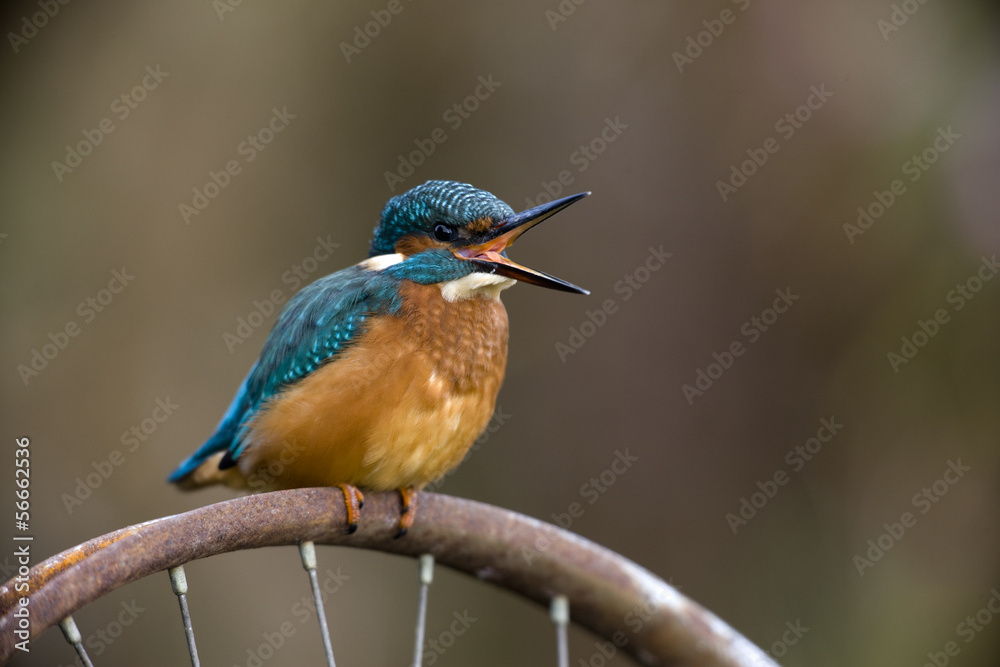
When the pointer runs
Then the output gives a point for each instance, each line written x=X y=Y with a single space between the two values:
x=202 y=467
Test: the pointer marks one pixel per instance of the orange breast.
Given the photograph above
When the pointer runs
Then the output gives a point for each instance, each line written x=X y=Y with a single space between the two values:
x=401 y=407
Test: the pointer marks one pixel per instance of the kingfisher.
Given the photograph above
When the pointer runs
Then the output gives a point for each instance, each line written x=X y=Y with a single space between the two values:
x=382 y=375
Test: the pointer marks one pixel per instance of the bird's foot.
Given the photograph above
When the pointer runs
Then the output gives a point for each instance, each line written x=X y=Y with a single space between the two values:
x=409 y=497
x=354 y=500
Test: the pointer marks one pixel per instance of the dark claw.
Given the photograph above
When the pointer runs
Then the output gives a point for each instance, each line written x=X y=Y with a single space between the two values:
x=401 y=533
x=351 y=528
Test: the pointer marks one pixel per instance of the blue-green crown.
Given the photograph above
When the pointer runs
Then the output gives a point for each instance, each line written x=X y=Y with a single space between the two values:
x=419 y=209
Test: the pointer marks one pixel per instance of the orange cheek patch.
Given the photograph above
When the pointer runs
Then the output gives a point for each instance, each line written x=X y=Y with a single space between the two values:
x=411 y=245
x=480 y=225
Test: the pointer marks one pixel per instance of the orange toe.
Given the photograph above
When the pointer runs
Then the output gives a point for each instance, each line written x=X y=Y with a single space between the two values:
x=354 y=500
x=409 y=512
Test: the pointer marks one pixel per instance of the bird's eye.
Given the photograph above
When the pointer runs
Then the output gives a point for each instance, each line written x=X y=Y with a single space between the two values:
x=444 y=233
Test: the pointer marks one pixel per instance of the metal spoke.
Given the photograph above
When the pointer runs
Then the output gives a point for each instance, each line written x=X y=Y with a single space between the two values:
x=178 y=582
x=425 y=575
x=307 y=550
x=72 y=635
x=560 y=616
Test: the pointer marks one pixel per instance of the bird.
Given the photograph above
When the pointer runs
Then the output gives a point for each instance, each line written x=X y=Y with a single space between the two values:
x=381 y=376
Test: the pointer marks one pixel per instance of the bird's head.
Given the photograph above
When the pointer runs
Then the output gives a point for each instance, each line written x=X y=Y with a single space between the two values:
x=470 y=229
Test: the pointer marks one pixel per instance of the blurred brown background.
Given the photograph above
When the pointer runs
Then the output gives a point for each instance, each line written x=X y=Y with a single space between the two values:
x=892 y=79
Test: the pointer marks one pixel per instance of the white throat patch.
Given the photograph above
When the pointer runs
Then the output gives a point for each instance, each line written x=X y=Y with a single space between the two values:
x=379 y=262
x=486 y=285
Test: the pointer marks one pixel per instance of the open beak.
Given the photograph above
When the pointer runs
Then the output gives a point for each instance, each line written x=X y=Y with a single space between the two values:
x=484 y=250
